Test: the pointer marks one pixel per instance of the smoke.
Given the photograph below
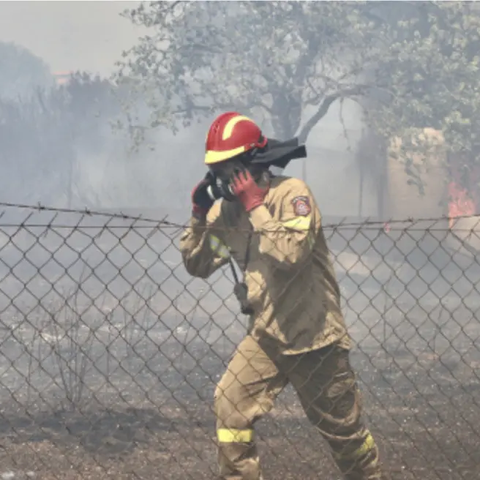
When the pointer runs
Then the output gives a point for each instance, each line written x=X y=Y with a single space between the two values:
x=94 y=164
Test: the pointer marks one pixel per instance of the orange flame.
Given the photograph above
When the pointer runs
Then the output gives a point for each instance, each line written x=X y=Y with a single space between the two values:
x=460 y=203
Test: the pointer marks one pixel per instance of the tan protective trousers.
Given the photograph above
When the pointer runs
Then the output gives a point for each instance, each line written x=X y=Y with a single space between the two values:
x=327 y=388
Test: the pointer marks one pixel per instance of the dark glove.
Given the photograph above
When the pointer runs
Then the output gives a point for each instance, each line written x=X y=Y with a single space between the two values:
x=201 y=201
x=246 y=189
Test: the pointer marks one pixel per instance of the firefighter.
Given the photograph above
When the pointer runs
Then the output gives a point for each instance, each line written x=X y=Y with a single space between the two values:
x=271 y=227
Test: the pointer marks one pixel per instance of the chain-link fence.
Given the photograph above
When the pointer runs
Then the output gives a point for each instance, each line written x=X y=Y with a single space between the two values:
x=111 y=353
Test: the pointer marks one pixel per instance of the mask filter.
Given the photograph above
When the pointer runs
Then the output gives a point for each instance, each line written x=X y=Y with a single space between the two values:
x=220 y=189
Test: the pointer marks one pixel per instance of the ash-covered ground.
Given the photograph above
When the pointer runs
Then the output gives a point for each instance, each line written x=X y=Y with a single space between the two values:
x=110 y=353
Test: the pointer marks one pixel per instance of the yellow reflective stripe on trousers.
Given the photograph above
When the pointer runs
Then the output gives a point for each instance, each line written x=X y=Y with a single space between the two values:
x=218 y=247
x=367 y=445
x=232 y=435
x=298 y=223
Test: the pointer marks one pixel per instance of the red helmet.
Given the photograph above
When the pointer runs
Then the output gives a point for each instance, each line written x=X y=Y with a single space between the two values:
x=232 y=134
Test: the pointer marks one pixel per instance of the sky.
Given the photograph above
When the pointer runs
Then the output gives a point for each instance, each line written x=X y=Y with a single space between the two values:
x=70 y=35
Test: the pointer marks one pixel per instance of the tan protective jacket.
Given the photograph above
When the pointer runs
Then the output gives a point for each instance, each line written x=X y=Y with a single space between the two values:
x=291 y=281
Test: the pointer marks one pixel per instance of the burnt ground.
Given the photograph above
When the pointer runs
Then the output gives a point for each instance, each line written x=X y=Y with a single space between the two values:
x=110 y=354
x=426 y=424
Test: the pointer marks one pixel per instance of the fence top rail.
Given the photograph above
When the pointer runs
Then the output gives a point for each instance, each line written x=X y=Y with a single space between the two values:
x=438 y=223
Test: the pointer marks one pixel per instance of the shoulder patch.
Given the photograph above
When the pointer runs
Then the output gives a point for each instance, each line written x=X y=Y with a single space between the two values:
x=301 y=206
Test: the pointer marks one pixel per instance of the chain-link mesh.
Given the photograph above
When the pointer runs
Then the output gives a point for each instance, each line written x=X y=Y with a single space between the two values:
x=111 y=355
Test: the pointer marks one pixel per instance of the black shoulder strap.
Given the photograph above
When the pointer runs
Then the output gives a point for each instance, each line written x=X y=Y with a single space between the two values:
x=246 y=260
x=247 y=251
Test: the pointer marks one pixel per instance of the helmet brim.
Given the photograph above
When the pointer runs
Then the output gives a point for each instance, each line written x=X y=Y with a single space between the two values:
x=279 y=154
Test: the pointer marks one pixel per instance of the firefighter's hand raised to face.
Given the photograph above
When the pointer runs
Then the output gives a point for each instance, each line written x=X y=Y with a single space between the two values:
x=201 y=200
x=245 y=188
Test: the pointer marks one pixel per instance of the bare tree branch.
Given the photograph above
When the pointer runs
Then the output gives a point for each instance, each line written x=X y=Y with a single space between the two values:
x=325 y=105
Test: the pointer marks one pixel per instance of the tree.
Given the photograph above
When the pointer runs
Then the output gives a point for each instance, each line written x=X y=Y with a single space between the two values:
x=21 y=72
x=412 y=65
x=286 y=61
x=431 y=69
x=50 y=141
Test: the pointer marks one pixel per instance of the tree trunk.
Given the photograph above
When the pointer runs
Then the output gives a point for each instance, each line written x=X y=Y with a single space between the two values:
x=286 y=118
x=371 y=163
x=286 y=115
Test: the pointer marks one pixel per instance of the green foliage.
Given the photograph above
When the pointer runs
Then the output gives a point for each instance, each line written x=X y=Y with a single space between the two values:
x=431 y=69
x=412 y=65
x=268 y=59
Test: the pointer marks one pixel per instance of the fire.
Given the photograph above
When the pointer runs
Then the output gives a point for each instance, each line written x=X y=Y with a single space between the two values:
x=460 y=203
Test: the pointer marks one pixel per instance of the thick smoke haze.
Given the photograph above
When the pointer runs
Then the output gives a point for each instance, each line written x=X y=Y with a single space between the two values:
x=90 y=36
x=70 y=35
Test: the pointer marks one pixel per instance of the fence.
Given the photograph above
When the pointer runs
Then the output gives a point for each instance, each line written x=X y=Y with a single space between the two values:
x=111 y=351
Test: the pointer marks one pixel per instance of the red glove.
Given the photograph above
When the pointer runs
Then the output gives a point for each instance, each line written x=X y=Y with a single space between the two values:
x=246 y=189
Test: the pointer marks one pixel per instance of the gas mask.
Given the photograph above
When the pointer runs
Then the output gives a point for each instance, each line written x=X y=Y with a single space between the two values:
x=220 y=188
x=221 y=179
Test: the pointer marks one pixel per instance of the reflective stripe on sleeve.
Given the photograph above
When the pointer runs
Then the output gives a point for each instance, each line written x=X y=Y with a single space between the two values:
x=298 y=223
x=232 y=435
x=301 y=224
x=218 y=247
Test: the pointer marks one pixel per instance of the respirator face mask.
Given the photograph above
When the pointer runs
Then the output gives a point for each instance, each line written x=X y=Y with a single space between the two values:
x=220 y=188
x=221 y=179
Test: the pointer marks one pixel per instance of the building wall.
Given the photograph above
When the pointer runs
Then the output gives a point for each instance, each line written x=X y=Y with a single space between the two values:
x=332 y=169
